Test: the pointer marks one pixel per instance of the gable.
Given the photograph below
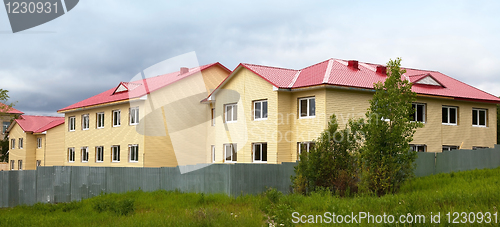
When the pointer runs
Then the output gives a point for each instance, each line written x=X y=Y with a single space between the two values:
x=428 y=80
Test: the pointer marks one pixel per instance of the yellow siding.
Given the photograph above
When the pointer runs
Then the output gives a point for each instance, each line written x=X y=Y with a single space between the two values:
x=53 y=146
x=124 y=135
x=213 y=76
x=40 y=152
x=27 y=154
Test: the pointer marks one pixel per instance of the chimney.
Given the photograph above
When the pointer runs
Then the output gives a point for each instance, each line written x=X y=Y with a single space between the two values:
x=184 y=70
x=353 y=64
x=382 y=69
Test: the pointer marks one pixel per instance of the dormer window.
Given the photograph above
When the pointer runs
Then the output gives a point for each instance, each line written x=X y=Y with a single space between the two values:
x=428 y=80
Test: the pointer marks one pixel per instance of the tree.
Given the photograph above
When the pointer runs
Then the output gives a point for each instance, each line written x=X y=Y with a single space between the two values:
x=385 y=158
x=331 y=163
x=4 y=142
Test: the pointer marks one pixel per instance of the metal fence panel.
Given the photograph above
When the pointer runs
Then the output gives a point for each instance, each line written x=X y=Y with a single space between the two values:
x=149 y=179
x=14 y=188
x=425 y=164
x=4 y=188
x=79 y=182
x=62 y=184
x=45 y=184
x=97 y=181
x=27 y=187
x=216 y=179
x=170 y=179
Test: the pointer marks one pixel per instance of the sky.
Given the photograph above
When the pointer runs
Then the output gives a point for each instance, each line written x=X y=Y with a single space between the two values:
x=99 y=43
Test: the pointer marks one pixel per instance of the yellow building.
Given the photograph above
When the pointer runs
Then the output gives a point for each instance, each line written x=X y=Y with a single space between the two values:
x=7 y=115
x=36 y=141
x=148 y=122
x=269 y=115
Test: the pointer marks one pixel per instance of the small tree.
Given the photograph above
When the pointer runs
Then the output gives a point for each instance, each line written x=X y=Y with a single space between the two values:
x=331 y=163
x=4 y=142
x=386 y=160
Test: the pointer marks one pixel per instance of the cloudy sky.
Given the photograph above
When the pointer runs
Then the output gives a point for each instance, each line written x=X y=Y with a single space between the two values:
x=102 y=42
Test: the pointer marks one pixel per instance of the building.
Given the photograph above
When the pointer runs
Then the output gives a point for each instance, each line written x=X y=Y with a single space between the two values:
x=7 y=114
x=148 y=122
x=265 y=114
x=36 y=141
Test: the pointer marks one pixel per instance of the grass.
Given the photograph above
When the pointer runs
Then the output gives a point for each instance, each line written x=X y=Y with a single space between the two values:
x=469 y=191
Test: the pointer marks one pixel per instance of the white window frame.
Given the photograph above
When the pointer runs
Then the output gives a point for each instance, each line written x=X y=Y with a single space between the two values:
x=85 y=122
x=72 y=124
x=134 y=115
x=12 y=164
x=212 y=123
x=415 y=147
x=233 y=153
x=415 y=105
x=85 y=154
x=456 y=115
x=299 y=148
x=12 y=144
x=131 y=151
x=115 y=157
x=213 y=153
x=99 y=150
x=38 y=163
x=39 y=142
x=20 y=164
x=308 y=115
x=479 y=111
x=259 y=116
x=21 y=143
x=261 y=149
x=234 y=112
x=449 y=147
x=71 y=154
x=100 y=120
x=116 y=118
x=479 y=147
x=5 y=126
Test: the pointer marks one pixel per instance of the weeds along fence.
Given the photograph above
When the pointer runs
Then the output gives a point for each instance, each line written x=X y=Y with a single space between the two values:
x=69 y=183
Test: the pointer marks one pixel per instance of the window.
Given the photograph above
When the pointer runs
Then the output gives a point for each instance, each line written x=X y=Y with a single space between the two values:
x=39 y=142
x=115 y=153
x=85 y=154
x=134 y=115
x=100 y=120
x=99 y=154
x=478 y=147
x=20 y=165
x=479 y=117
x=230 y=152
x=307 y=107
x=260 y=152
x=213 y=117
x=419 y=114
x=116 y=118
x=38 y=163
x=71 y=154
x=13 y=144
x=85 y=122
x=449 y=115
x=213 y=153
x=21 y=143
x=231 y=112
x=260 y=110
x=12 y=164
x=5 y=126
x=133 y=153
x=304 y=147
x=71 y=126
x=418 y=147
x=449 y=148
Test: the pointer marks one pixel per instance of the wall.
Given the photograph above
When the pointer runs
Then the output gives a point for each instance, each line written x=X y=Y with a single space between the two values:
x=69 y=183
x=53 y=147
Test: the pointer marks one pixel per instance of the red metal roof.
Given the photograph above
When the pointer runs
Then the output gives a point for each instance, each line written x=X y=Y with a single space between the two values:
x=11 y=110
x=138 y=88
x=364 y=77
x=38 y=124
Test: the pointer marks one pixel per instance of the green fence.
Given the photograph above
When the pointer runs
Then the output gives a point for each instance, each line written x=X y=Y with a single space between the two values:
x=66 y=183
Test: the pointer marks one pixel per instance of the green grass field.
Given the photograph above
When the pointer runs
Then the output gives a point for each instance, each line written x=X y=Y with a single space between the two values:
x=470 y=191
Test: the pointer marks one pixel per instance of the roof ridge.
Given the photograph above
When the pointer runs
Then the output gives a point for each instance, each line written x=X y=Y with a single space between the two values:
x=319 y=63
x=328 y=71
x=270 y=66
x=295 y=77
